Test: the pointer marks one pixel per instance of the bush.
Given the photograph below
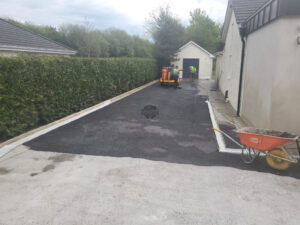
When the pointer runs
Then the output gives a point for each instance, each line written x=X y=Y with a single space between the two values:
x=38 y=90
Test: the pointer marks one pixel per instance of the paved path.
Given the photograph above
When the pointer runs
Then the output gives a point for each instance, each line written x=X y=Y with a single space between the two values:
x=117 y=167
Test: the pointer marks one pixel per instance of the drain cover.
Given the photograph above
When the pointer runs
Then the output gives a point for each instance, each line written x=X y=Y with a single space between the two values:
x=150 y=111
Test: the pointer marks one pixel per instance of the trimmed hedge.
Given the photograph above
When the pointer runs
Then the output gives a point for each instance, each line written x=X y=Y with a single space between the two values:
x=38 y=90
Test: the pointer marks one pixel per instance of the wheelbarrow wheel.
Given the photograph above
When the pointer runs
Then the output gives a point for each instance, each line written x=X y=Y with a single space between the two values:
x=275 y=163
x=248 y=155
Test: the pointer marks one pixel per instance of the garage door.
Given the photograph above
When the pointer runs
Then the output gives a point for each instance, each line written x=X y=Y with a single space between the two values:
x=186 y=64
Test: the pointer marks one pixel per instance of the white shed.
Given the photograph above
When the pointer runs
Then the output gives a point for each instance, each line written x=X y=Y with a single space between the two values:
x=192 y=54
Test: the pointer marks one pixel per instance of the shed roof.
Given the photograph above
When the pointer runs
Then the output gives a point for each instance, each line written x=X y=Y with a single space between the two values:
x=16 y=38
x=198 y=46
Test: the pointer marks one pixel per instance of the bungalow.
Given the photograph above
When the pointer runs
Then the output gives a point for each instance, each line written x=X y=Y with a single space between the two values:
x=258 y=69
x=15 y=40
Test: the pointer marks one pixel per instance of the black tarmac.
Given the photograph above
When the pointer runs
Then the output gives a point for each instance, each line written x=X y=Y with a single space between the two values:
x=178 y=130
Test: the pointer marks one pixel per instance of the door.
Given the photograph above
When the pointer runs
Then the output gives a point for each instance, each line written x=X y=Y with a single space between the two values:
x=186 y=67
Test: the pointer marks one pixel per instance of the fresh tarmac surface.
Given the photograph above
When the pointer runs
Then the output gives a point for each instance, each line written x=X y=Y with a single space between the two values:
x=115 y=166
x=180 y=133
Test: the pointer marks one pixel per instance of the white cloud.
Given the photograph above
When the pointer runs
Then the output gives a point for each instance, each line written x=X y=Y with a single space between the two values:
x=138 y=10
x=129 y=15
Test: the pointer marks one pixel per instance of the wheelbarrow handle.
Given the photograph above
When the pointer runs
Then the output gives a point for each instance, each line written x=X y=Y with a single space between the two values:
x=216 y=129
x=226 y=135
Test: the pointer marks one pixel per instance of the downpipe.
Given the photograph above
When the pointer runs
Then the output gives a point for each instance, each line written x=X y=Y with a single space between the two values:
x=241 y=71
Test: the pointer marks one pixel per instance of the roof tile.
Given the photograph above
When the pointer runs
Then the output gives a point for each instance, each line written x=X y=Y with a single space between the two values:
x=245 y=8
x=13 y=35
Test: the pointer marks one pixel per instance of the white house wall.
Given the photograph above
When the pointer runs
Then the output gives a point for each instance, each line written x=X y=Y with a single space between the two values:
x=8 y=54
x=228 y=67
x=191 y=51
x=15 y=54
x=271 y=87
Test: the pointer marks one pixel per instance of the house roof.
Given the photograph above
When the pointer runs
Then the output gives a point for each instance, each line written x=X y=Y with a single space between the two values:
x=245 y=8
x=242 y=9
x=198 y=46
x=16 y=38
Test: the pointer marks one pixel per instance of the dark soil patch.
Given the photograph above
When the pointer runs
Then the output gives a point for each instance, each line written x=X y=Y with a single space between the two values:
x=33 y=174
x=62 y=158
x=48 y=167
x=4 y=171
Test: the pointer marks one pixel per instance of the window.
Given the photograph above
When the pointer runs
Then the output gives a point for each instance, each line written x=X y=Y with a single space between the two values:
x=274 y=6
x=261 y=18
x=255 y=22
x=264 y=16
x=248 y=26
x=267 y=14
x=251 y=24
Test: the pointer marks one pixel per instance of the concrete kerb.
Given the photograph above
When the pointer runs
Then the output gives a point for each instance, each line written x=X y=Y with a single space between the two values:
x=10 y=144
x=219 y=136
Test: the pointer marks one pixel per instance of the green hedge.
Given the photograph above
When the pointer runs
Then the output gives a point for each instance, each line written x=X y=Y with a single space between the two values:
x=38 y=90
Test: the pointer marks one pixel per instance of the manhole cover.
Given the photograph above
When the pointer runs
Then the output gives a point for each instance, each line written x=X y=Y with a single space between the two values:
x=150 y=111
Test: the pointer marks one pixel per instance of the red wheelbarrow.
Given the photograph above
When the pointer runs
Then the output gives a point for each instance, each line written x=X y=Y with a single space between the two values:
x=272 y=143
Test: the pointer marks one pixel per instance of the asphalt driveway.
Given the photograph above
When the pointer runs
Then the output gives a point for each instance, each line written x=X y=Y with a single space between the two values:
x=181 y=132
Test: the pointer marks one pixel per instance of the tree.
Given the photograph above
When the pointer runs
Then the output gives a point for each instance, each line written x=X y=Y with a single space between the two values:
x=203 y=30
x=90 y=42
x=142 y=48
x=87 y=43
x=120 y=43
x=167 y=33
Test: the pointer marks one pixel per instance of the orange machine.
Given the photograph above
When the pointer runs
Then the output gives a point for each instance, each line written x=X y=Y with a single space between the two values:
x=167 y=77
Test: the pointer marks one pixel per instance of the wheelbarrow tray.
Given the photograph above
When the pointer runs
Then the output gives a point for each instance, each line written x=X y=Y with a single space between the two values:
x=262 y=139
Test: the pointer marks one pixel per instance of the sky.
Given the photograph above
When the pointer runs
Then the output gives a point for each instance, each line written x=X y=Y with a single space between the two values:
x=128 y=15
